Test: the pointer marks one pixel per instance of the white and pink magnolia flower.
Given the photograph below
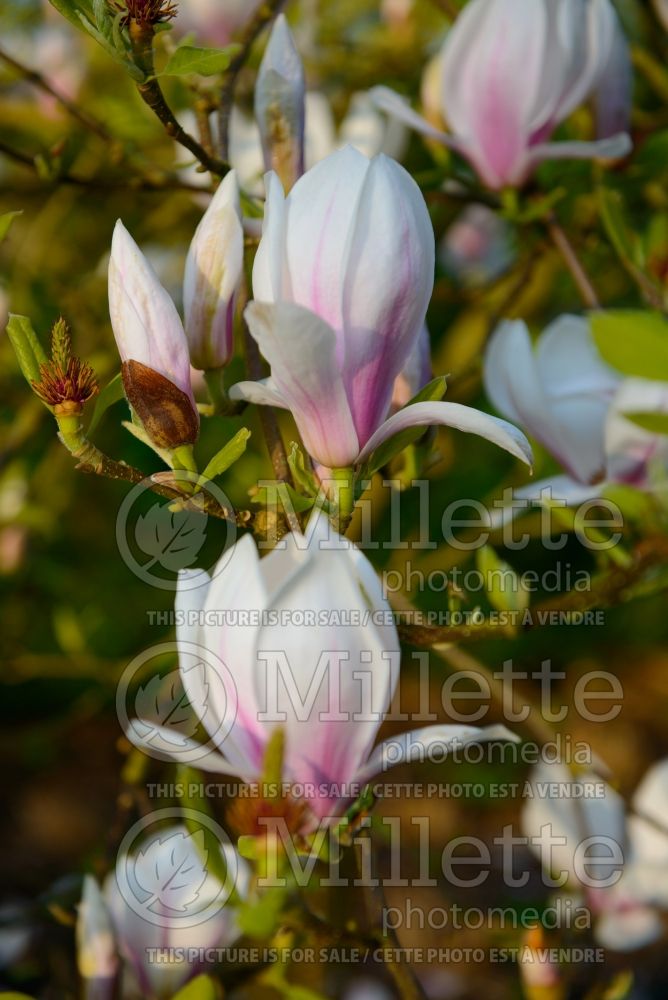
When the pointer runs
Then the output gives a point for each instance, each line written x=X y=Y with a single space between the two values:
x=631 y=896
x=342 y=279
x=112 y=922
x=502 y=120
x=564 y=395
x=310 y=645
x=213 y=274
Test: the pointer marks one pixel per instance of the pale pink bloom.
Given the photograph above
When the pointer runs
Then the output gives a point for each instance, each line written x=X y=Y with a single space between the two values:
x=342 y=279
x=477 y=247
x=500 y=119
x=309 y=643
x=213 y=274
x=564 y=395
x=628 y=903
x=111 y=922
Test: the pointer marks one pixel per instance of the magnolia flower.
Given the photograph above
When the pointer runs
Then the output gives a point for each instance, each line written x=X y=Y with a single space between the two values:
x=415 y=374
x=627 y=907
x=213 y=273
x=310 y=644
x=279 y=104
x=342 y=279
x=566 y=397
x=501 y=120
x=111 y=922
x=477 y=248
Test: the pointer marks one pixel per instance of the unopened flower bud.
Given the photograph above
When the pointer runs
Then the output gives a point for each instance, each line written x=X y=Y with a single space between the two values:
x=153 y=346
x=96 y=947
x=214 y=269
x=279 y=105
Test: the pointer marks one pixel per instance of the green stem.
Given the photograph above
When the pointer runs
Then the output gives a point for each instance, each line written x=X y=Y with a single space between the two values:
x=343 y=489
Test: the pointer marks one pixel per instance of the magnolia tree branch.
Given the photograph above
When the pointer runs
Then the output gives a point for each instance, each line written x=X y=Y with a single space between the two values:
x=264 y=14
x=150 y=91
x=37 y=80
x=572 y=262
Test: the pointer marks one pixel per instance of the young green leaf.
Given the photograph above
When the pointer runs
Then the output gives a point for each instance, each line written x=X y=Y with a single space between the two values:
x=6 y=222
x=205 y=62
x=635 y=342
x=226 y=457
x=655 y=423
x=112 y=393
x=29 y=352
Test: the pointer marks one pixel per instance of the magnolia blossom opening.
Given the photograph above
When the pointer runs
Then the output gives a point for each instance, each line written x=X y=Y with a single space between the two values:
x=319 y=656
x=342 y=280
x=567 y=397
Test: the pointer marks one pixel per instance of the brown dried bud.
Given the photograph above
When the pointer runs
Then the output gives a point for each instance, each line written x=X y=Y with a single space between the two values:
x=166 y=412
x=244 y=813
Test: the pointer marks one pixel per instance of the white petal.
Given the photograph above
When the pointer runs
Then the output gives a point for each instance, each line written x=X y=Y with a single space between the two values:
x=301 y=350
x=393 y=104
x=463 y=418
x=430 y=742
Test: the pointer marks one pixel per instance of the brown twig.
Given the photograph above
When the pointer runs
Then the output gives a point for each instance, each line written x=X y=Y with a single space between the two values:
x=572 y=262
x=166 y=183
x=265 y=13
x=150 y=91
x=37 y=80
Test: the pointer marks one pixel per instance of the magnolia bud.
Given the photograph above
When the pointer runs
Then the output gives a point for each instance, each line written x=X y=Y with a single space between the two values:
x=279 y=105
x=152 y=345
x=96 y=946
x=214 y=269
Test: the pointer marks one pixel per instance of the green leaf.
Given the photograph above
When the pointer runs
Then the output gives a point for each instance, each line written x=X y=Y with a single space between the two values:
x=112 y=393
x=655 y=423
x=29 y=352
x=190 y=781
x=503 y=585
x=6 y=222
x=261 y=917
x=302 y=475
x=635 y=342
x=434 y=391
x=200 y=988
x=206 y=62
x=73 y=11
x=226 y=457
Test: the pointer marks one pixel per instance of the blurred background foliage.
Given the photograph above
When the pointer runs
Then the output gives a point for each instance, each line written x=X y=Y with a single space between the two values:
x=72 y=614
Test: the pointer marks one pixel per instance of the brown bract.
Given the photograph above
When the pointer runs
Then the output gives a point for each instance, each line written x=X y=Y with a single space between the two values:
x=166 y=412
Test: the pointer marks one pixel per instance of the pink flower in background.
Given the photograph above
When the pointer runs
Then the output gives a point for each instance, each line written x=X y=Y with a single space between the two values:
x=342 y=279
x=500 y=119
x=337 y=678
x=567 y=397
x=215 y=21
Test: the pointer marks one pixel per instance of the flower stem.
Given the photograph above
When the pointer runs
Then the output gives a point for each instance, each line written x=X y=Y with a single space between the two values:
x=343 y=489
x=572 y=262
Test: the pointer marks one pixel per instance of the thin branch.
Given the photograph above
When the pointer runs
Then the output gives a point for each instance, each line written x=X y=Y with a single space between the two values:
x=265 y=13
x=167 y=183
x=34 y=77
x=572 y=262
x=150 y=91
